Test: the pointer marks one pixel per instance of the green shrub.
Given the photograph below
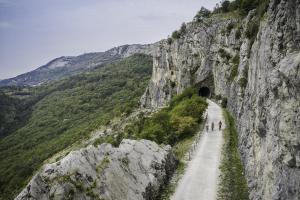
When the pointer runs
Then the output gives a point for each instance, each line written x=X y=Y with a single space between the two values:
x=169 y=41
x=224 y=54
x=193 y=107
x=154 y=131
x=218 y=97
x=252 y=29
x=182 y=29
x=183 y=126
x=186 y=94
x=225 y=5
x=229 y=28
x=243 y=82
x=224 y=102
x=236 y=60
x=233 y=73
x=238 y=33
x=176 y=35
x=202 y=13
x=233 y=184
x=243 y=6
x=234 y=70
x=173 y=123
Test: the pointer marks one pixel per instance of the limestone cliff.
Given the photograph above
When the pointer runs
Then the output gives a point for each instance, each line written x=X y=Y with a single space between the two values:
x=136 y=170
x=258 y=71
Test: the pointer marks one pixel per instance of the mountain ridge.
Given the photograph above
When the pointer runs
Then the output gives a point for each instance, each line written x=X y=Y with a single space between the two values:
x=65 y=66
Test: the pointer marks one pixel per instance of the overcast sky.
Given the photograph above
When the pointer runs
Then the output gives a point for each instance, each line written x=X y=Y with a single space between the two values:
x=33 y=32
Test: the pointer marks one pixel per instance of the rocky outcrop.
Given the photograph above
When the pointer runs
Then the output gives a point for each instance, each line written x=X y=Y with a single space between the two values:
x=258 y=71
x=134 y=170
x=66 y=66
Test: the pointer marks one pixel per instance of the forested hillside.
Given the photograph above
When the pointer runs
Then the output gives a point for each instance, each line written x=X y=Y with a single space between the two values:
x=38 y=122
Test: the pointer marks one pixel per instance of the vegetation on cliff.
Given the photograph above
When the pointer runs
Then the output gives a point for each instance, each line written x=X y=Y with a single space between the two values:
x=179 y=120
x=242 y=6
x=54 y=116
x=233 y=183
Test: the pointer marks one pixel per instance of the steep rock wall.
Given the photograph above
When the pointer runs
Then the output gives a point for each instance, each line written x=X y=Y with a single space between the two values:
x=135 y=170
x=260 y=77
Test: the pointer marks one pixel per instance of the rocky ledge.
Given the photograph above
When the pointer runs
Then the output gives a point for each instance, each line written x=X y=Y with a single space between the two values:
x=134 y=170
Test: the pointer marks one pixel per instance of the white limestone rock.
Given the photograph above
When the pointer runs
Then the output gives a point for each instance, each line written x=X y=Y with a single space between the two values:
x=135 y=170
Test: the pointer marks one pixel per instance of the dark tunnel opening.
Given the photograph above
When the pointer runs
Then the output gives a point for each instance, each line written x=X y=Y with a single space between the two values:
x=204 y=92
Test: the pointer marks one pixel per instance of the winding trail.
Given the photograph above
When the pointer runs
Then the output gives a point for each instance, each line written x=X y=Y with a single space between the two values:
x=200 y=178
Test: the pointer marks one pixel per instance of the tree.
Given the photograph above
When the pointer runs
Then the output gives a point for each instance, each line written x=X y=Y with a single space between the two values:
x=225 y=5
x=202 y=13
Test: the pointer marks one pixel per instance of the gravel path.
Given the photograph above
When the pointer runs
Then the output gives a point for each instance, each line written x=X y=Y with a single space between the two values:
x=200 y=178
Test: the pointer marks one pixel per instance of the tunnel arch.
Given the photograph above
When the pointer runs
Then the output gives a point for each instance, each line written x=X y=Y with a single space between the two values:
x=204 y=92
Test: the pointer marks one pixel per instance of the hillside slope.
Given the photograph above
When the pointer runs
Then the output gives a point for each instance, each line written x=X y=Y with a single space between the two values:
x=65 y=112
x=66 y=66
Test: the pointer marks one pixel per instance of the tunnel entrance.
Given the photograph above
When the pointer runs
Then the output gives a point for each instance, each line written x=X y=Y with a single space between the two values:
x=204 y=92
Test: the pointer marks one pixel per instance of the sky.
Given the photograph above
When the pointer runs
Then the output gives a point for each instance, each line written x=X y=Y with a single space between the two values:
x=33 y=32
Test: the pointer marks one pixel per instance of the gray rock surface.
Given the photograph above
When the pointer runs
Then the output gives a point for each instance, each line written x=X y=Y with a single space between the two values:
x=263 y=95
x=135 y=170
x=66 y=66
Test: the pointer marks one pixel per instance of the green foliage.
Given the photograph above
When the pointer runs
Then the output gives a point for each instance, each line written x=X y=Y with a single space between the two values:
x=190 y=107
x=183 y=126
x=183 y=28
x=186 y=94
x=238 y=33
x=169 y=41
x=233 y=183
x=234 y=70
x=252 y=29
x=243 y=6
x=224 y=102
x=243 y=81
x=202 y=13
x=233 y=73
x=65 y=112
x=218 y=97
x=225 y=6
x=224 y=54
x=177 y=121
x=236 y=60
x=229 y=28
x=176 y=35
x=104 y=163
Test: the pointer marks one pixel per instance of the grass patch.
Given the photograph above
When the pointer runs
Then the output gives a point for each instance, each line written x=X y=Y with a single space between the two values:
x=233 y=184
x=104 y=163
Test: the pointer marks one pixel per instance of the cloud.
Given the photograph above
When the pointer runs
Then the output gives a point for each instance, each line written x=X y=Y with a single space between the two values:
x=5 y=25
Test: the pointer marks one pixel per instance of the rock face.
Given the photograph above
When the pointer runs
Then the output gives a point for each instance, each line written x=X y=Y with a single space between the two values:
x=66 y=66
x=258 y=73
x=135 y=170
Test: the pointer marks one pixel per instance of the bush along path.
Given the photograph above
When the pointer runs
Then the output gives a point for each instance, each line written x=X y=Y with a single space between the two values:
x=200 y=179
x=232 y=184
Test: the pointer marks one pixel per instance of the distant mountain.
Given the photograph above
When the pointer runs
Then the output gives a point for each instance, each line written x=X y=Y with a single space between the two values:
x=65 y=66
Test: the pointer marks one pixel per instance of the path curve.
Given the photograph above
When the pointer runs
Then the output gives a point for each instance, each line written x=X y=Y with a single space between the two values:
x=200 y=178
